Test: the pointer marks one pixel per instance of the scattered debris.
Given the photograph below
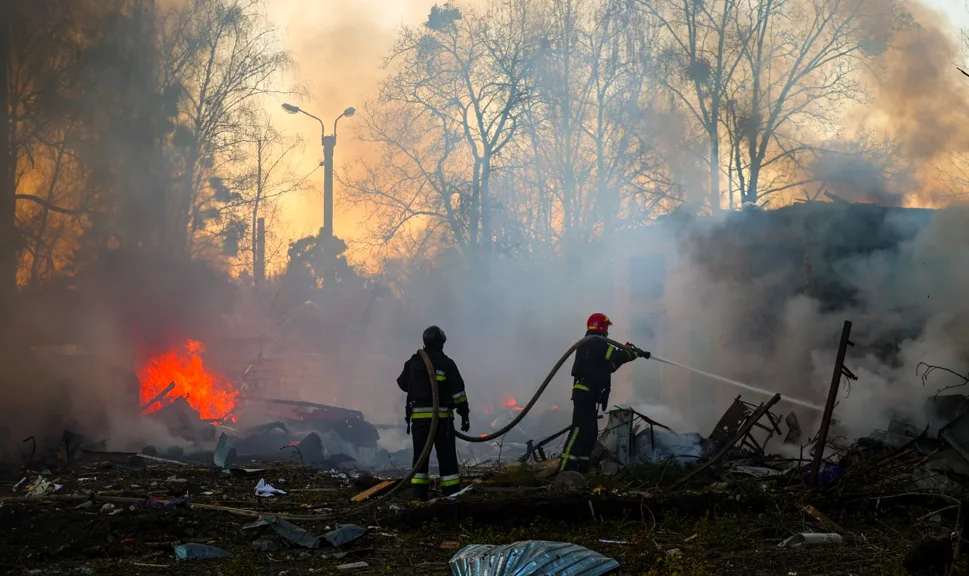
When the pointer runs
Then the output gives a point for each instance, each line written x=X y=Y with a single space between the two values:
x=811 y=538
x=41 y=486
x=344 y=535
x=352 y=566
x=288 y=531
x=158 y=397
x=569 y=480
x=373 y=490
x=266 y=490
x=199 y=552
x=736 y=417
x=222 y=451
x=530 y=558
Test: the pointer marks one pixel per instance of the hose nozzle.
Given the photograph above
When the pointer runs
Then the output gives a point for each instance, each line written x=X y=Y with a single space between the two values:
x=639 y=351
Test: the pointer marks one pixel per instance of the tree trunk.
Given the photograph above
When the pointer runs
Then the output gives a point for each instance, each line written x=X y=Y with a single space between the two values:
x=485 y=203
x=255 y=214
x=45 y=216
x=715 y=162
x=8 y=203
x=750 y=194
x=185 y=215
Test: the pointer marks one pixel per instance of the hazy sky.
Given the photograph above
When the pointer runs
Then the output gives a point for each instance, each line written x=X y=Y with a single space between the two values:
x=339 y=47
x=956 y=10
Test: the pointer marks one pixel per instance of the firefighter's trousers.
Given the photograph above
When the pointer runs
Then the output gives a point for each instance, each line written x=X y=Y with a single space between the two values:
x=447 y=457
x=585 y=429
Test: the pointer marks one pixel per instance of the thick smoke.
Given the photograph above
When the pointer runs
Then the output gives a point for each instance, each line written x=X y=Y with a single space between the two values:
x=508 y=324
x=919 y=94
x=509 y=320
x=902 y=299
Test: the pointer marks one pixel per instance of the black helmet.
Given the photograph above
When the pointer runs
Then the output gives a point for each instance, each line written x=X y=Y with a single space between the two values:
x=434 y=338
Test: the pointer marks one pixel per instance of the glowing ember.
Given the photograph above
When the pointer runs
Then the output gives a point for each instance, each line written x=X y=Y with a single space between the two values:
x=212 y=395
x=511 y=404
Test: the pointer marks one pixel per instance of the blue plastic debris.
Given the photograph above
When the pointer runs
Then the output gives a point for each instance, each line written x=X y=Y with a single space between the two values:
x=825 y=474
x=291 y=532
x=530 y=558
x=199 y=552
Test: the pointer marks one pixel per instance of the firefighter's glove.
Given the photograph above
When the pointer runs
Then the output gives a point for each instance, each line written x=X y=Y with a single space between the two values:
x=639 y=353
x=465 y=424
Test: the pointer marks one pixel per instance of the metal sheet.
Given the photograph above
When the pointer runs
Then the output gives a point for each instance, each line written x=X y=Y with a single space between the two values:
x=530 y=558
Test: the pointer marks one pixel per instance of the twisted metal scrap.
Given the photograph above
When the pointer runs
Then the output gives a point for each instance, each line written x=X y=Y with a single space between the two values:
x=530 y=558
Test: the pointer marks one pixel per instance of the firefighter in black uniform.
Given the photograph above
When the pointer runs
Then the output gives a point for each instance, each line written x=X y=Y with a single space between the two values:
x=420 y=407
x=595 y=361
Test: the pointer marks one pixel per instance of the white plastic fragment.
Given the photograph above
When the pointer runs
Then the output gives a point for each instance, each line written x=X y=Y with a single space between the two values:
x=806 y=538
x=265 y=490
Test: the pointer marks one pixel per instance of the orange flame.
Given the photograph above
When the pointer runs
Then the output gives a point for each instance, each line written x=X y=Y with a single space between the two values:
x=509 y=403
x=212 y=395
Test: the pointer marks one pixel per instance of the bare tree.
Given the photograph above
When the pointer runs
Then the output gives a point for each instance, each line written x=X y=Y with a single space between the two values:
x=443 y=119
x=222 y=56
x=51 y=50
x=697 y=66
x=801 y=59
x=263 y=175
x=591 y=142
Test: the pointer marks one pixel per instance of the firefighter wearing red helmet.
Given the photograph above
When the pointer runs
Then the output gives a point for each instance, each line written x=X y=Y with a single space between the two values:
x=595 y=361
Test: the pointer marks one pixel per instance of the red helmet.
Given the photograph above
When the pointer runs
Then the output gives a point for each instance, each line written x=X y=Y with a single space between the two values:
x=598 y=322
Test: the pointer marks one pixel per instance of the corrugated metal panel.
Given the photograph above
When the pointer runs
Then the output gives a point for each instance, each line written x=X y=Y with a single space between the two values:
x=530 y=558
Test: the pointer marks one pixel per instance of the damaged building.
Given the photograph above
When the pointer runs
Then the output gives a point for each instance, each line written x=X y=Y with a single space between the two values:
x=801 y=249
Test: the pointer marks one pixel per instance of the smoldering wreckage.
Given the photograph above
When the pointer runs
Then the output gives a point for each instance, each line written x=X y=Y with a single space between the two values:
x=253 y=483
x=308 y=490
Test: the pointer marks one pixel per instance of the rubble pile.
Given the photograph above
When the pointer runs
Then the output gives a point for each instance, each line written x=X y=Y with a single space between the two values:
x=659 y=502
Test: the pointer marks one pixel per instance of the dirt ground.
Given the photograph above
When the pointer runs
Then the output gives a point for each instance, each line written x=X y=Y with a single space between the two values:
x=733 y=529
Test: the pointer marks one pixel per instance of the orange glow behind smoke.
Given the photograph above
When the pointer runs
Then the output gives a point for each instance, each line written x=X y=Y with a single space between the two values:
x=212 y=395
x=511 y=403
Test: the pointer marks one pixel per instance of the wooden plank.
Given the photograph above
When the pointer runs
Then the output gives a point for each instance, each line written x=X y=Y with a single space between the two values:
x=373 y=490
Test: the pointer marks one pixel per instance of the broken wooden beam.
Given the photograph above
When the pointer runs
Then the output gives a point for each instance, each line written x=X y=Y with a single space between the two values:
x=373 y=490
x=158 y=398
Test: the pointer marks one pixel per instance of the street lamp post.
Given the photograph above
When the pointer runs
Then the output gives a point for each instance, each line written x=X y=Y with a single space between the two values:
x=328 y=143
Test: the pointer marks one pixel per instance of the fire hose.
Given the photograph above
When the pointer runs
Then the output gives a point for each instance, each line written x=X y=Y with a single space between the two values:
x=425 y=452
x=429 y=444
x=538 y=393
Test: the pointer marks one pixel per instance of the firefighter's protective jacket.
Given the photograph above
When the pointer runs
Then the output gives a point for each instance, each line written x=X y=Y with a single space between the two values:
x=450 y=386
x=594 y=363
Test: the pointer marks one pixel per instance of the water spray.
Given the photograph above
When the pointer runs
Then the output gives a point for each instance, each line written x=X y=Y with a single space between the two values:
x=748 y=387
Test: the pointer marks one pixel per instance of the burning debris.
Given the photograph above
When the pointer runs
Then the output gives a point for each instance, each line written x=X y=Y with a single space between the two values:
x=182 y=372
